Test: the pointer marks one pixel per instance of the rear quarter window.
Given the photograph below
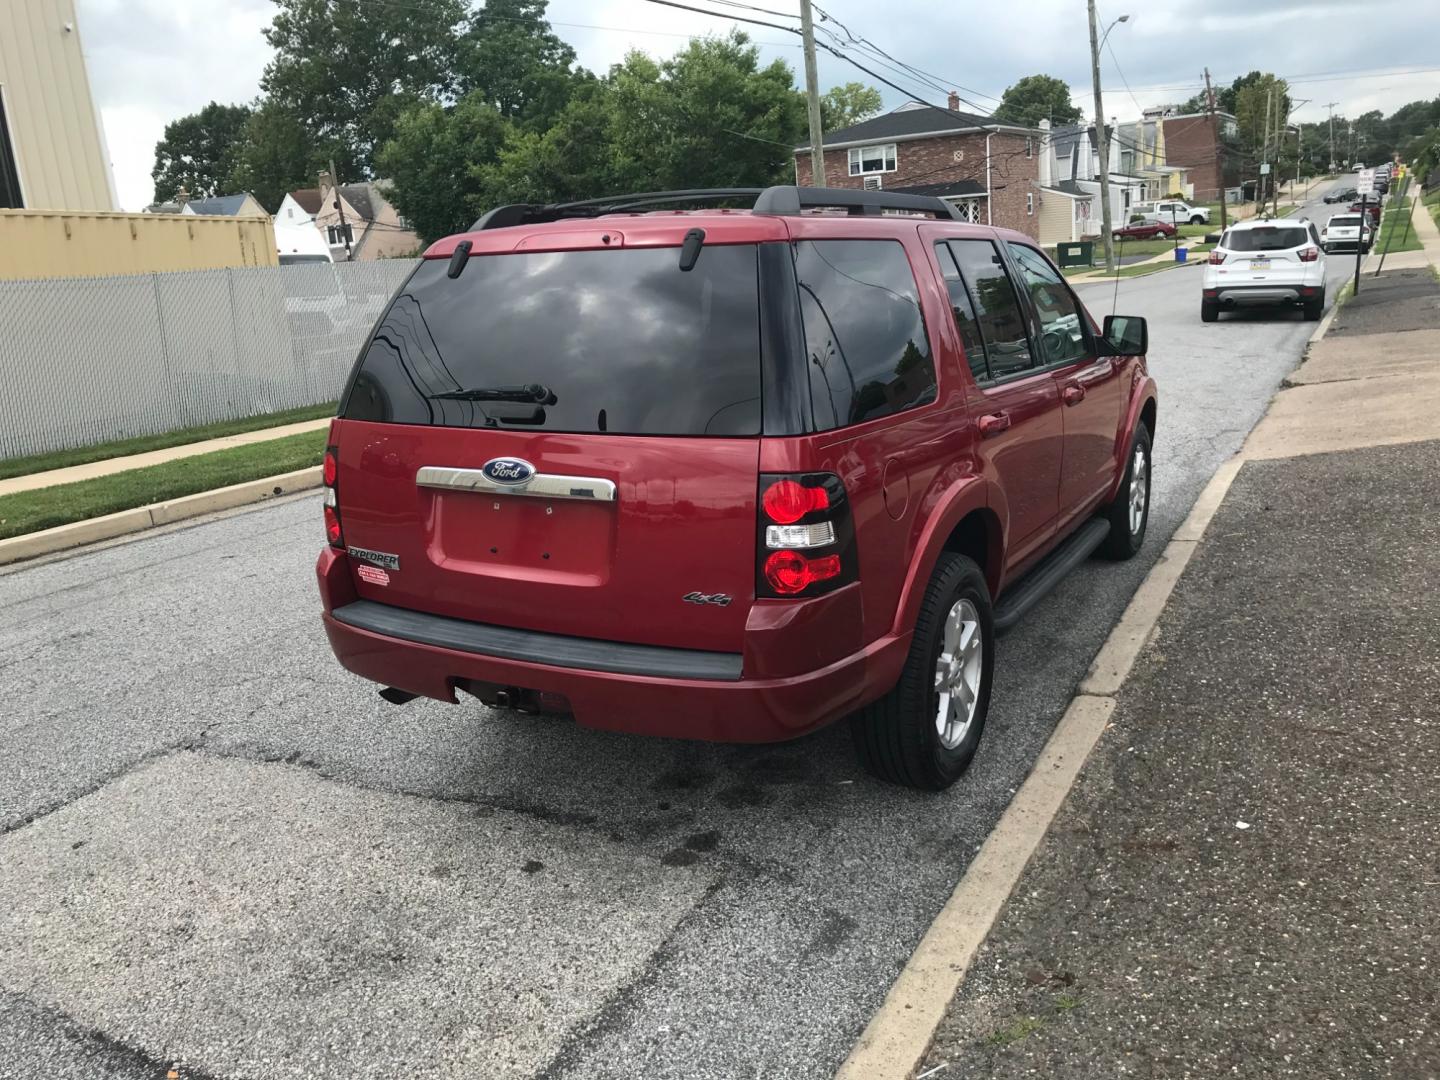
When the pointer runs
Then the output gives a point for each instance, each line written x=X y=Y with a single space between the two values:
x=866 y=349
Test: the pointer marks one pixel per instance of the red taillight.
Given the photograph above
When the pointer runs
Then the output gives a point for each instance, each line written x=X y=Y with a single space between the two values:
x=789 y=572
x=786 y=501
x=329 y=473
x=804 y=537
x=1217 y=257
x=1309 y=254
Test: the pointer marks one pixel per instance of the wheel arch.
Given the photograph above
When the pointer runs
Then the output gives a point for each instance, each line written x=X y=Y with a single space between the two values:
x=963 y=521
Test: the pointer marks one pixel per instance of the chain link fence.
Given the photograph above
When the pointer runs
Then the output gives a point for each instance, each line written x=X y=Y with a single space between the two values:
x=87 y=360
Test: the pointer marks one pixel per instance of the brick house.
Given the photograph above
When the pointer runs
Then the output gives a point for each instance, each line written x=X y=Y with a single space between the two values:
x=1190 y=143
x=990 y=170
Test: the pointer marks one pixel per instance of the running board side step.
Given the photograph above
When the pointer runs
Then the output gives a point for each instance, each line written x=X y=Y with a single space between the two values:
x=1035 y=585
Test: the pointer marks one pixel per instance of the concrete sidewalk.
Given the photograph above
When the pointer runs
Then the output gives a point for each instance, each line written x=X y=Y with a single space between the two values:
x=1244 y=881
x=154 y=457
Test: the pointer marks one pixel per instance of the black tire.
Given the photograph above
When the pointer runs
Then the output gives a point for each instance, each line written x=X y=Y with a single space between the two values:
x=1197 y=220
x=1124 y=540
x=1314 y=309
x=1209 y=311
x=897 y=738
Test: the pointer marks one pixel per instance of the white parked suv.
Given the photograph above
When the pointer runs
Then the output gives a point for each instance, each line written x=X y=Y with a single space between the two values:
x=1343 y=232
x=1280 y=261
x=1173 y=212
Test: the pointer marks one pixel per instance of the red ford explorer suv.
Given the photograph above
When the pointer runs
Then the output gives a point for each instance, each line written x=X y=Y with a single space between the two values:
x=728 y=474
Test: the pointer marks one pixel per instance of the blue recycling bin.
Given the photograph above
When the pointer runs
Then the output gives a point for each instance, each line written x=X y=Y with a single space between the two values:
x=1180 y=254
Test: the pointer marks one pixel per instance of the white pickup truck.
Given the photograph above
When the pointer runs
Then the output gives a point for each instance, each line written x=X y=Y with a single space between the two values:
x=1172 y=212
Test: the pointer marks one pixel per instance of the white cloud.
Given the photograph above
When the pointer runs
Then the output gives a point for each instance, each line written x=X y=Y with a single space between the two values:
x=154 y=60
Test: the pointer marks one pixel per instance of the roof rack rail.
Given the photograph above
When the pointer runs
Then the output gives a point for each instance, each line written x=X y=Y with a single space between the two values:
x=779 y=199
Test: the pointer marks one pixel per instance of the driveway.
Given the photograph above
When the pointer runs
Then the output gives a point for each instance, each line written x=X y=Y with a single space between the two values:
x=219 y=849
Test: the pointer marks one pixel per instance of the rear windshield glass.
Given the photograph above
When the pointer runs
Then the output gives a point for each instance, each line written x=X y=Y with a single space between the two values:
x=620 y=341
x=1351 y=221
x=1265 y=238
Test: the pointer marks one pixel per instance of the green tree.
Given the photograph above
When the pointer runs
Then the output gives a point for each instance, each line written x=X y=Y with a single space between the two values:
x=277 y=155
x=1251 y=102
x=436 y=162
x=200 y=152
x=340 y=65
x=511 y=58
x=841 y=106
x=709 y=116
x=1035 y=98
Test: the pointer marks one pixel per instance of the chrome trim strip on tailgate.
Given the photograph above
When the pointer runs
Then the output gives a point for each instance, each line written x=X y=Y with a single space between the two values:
x=543 y=485
x=556 y=650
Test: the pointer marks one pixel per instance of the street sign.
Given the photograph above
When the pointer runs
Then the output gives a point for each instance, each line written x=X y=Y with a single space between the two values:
x=1264 y=168
x=1365 y=182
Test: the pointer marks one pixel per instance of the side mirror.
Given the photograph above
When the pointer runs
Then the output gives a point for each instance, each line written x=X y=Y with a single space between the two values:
x=1126 y=335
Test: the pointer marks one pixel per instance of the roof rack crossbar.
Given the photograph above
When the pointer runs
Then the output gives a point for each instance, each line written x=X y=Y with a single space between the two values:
x=778 y=199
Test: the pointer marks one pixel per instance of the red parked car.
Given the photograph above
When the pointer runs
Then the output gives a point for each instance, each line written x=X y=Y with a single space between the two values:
x=1145 y=230
x=729 y=474
x=1371 y=207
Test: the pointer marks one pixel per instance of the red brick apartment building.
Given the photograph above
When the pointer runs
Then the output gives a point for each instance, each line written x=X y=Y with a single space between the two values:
x=988 y=169
x=1191 y=143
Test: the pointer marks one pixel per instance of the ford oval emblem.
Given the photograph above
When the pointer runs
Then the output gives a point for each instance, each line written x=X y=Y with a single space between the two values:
x=509 y=471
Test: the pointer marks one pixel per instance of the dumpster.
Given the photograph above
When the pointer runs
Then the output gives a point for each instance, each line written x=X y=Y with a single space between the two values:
x=1081 y=253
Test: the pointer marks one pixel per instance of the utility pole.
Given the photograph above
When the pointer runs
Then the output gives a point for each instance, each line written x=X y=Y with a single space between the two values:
x=340 y=208
x=812 y=96
x=1261 y=195
x=1219 y=148
x=1331 y=106
x=1281 y=102
x=1101 y=144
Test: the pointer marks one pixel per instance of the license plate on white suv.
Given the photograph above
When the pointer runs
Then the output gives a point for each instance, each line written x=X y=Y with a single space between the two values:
x=1259 y=264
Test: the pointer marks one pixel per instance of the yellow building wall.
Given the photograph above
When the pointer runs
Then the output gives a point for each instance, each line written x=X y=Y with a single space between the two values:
x=59 y=145
x=1056 y=219
x=49 y=244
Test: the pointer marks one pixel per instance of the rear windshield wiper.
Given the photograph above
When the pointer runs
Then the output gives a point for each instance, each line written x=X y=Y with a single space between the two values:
x=533 y=394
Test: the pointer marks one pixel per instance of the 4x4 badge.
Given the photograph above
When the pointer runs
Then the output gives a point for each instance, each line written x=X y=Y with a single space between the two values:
x=719 y=599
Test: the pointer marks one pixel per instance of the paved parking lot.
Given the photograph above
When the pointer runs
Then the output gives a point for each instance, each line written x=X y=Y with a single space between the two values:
x=220 y=849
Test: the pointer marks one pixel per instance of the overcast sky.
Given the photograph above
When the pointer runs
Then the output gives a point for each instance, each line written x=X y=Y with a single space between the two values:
x=154 y=60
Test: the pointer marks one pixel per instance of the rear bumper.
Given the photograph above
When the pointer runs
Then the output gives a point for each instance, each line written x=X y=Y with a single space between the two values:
x=434 y=656
x=1276 y=293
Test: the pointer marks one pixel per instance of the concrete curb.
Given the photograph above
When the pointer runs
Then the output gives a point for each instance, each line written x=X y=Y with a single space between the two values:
x=141 y=518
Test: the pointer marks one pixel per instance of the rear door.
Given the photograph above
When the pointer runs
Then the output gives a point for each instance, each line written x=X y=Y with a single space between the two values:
x=564 y=441
x=1017 y=409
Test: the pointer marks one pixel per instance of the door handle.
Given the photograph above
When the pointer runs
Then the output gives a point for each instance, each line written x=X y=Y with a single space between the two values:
x=1073 y=394
x=993 y=424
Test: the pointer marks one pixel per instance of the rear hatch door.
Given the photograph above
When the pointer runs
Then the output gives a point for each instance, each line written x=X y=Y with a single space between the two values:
x=563 y=441
x=1269 y=252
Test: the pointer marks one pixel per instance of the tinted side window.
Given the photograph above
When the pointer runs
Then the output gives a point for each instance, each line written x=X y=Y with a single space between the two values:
x=997 y=307
x=866 y=349
x=1063 y=339
x=964 y=310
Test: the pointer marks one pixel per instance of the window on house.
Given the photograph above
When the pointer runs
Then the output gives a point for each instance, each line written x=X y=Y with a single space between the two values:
x=338 y=237
x=9 y=172
x=1030 y=203
x=1029 y=147
x=872 y=159
x=865 y=338
x=289 y=211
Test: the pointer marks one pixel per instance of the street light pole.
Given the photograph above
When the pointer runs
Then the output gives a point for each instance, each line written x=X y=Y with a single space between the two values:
x=1331 y=106
x=812 y=97
x=1102 y=144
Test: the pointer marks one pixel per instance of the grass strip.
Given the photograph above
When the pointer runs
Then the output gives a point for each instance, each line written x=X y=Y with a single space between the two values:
x=45 y=508
x=83 y=455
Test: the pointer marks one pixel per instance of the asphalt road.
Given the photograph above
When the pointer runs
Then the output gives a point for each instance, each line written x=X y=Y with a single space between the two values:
x=237 y=857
